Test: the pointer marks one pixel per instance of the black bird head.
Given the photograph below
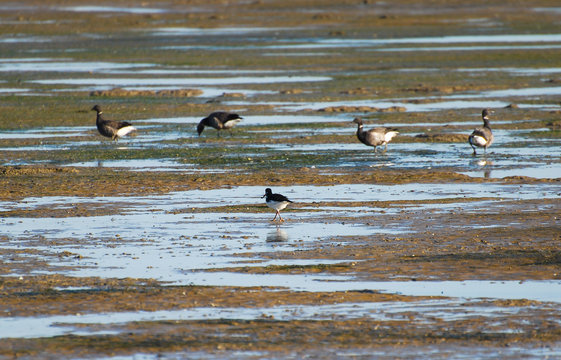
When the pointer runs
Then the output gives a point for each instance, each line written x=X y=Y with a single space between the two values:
x=485 y=113
x=357 y=120
x=96 y=108
x=200 y=128
x=268 y=191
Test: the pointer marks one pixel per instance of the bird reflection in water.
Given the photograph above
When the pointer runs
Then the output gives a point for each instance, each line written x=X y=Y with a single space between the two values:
x=484 y=165
x=278 y=235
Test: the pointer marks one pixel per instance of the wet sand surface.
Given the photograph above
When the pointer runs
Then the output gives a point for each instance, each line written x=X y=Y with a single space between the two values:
x=159 y=246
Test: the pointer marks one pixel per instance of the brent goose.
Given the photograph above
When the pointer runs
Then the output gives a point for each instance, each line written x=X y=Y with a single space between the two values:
x=110 y=128
x=276 y=202
x=219 y=120
x=376 y=136
x=482 y=136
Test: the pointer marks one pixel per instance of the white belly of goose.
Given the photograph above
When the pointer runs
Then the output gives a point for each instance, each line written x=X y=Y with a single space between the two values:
x=390 y=135
x=478 y=140
x=230 y=123
x=125 y=130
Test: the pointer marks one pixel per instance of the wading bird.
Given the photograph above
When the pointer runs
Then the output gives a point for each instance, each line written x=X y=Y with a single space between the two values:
x=110 y=128
x=482 y=136
x=219 y=120
x=276 y=202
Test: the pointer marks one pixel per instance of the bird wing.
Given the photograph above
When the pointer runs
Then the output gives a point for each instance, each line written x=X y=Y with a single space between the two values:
x=375 y=136
x=481 y=132
x=122 y=124
x=214 y=121
x=388 y=136
x=279 y=198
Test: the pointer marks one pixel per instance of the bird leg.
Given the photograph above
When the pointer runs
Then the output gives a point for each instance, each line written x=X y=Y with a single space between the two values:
x=277 y=213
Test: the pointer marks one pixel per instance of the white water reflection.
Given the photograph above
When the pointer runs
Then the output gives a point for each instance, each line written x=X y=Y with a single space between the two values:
x=404 y=103
x=235 y=31
x=46 y=132
x=539 y=290
x=120 y=82
x=453 y=39
x=50 y=65
x=111 y=9
x=412 y=106
x=545 y=171
x=514 y=70
x=468 y=48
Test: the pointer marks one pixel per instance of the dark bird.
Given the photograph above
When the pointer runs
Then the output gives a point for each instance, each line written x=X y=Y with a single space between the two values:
x=376 y=136
x=219 y=120
x=110 y=128
x=482 y=136
x=276 y=202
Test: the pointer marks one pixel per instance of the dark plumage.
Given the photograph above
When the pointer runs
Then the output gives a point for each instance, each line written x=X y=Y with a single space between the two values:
x=276 y=202
x=482 y=136
x=219 y=120
x=376 y=136
x=110 y=128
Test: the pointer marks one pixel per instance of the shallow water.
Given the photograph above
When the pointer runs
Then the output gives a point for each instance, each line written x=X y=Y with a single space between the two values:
x=152 y=238
x=47 y=132
x=514 y=152
x=303 y=193
x=382 y=353
x=451 y=104
x=111 y=9
x=256 y=120
x=545 y=171
x=120 y=82
x=469 y=48
x=456 y=39
x=428 y=312
x=69 y=66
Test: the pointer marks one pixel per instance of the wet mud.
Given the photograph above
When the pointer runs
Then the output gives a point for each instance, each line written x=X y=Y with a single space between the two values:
x=159 y=245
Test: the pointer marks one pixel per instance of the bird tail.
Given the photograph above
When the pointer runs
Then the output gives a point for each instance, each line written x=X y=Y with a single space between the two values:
x=390 y=135
x=125 y=130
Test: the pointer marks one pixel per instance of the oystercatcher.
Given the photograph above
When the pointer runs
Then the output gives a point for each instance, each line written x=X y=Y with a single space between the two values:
x=276 y=202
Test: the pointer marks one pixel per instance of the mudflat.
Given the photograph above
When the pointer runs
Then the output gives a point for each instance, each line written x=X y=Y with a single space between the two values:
x=159 y=245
